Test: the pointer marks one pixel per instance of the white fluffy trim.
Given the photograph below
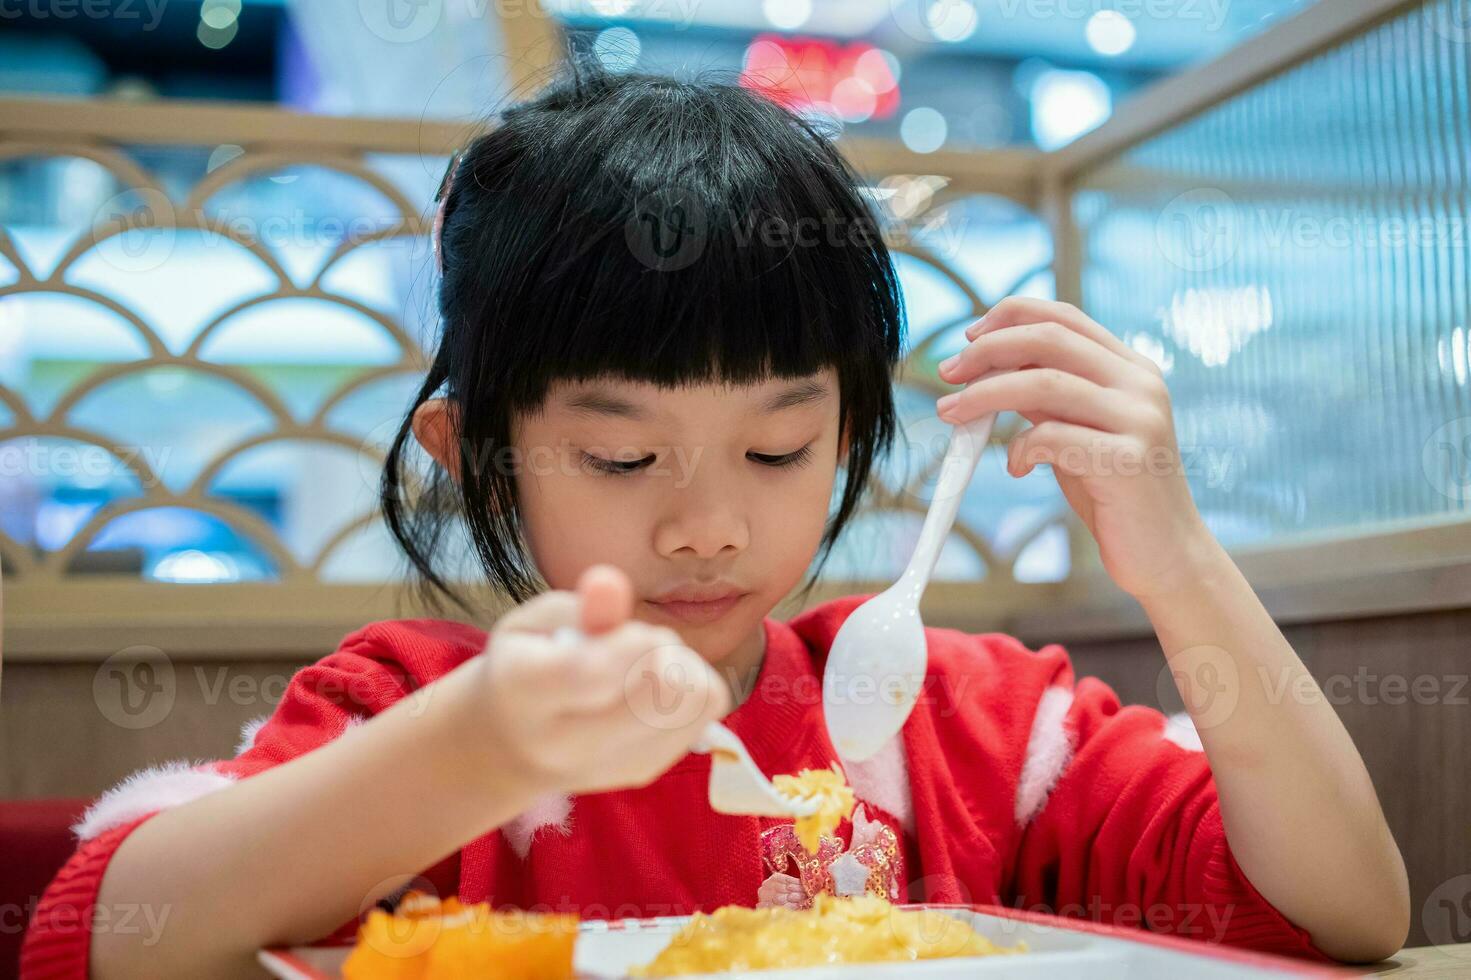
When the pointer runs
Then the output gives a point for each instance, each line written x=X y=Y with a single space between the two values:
x=883 y=780
x=553 y=810
x=147 y=790
x=1049 y=749
x=248 y=732
x=1180 y=729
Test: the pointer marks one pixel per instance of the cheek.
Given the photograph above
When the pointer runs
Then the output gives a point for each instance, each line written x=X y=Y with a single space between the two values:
x=794 y=517
x=570 y=525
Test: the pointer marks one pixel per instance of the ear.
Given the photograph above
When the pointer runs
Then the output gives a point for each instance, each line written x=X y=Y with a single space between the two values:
x=436 y=427
x=843 y=446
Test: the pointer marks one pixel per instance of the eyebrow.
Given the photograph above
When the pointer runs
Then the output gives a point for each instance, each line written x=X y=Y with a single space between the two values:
x=596 y=402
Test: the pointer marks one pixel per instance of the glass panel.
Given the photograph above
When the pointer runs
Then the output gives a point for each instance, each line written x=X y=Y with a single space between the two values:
x=307 y=491
x=301 y=354
x=51 y=487
x=877 y=545
x=994 y=247
x=1295 y=259
x=182 y=417
x=174 y=544
x=51 y=341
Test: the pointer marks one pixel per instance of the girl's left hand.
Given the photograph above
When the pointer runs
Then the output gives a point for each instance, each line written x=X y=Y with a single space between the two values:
x=1100 y=414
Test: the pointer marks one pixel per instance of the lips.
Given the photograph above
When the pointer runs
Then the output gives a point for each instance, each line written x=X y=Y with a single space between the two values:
x=699 y=593
x=695 y=604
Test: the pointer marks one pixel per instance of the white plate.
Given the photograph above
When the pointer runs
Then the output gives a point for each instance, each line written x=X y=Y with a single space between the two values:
x=1058 y=948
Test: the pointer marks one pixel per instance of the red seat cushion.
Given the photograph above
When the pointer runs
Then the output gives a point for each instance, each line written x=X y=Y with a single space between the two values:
x=36 y=839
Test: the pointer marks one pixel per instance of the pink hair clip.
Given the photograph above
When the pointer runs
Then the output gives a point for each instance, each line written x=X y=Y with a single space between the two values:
x=438 y=228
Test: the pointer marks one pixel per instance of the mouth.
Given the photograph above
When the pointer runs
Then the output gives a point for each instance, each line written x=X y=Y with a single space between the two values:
x=697 y=611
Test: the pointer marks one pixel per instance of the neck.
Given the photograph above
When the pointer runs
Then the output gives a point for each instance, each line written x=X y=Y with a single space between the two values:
x=742 y=667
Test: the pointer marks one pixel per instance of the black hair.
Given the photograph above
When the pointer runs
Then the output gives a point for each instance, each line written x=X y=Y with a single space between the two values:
x=655 y=229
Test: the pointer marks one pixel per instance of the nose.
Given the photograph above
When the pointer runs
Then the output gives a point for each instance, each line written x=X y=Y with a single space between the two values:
x=703 y=520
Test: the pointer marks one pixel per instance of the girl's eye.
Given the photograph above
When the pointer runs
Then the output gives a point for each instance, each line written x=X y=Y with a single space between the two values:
x=798 y=458
x=625 y=467
x=614 y=467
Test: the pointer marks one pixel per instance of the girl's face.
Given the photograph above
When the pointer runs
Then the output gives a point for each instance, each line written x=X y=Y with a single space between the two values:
x=697 y=493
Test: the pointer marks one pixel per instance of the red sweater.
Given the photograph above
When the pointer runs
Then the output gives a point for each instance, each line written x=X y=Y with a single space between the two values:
x=1010 y=784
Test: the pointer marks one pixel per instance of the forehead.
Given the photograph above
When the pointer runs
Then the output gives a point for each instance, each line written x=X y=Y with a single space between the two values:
x=642 y=401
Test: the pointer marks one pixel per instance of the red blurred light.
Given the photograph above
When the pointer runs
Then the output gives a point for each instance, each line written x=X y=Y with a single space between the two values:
x=804 y=73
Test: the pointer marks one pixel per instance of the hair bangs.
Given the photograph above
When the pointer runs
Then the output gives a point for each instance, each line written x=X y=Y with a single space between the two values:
x=655 y=230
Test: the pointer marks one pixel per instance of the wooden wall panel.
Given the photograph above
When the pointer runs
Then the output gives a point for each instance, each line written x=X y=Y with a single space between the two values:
x=1419 y=754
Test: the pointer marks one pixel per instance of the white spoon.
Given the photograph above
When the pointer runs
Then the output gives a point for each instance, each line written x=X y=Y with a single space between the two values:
x=737 y=785
x=877 y=662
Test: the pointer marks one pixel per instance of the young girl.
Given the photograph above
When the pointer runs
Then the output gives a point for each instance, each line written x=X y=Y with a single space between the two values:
x=669 y=322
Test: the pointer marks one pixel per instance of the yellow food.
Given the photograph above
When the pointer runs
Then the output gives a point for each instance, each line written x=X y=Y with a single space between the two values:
x=866 y=929
x=425 y=939
x=834 y=796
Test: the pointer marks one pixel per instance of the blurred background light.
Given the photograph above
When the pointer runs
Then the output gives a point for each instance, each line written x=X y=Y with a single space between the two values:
x=1111 y=33
x=1067 y=104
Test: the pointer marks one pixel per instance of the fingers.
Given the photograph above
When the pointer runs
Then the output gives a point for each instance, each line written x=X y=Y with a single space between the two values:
x=781 y=891
x=1047 y=344
x=603 y=599
x=1021 y=309
x=1055 y=393
x=604 y=673
x=542 y=613
x=1069 y=449
x=673 y=689
x=607 y=598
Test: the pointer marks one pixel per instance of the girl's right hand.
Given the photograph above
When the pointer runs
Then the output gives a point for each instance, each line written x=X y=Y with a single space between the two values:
x=613 y=712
